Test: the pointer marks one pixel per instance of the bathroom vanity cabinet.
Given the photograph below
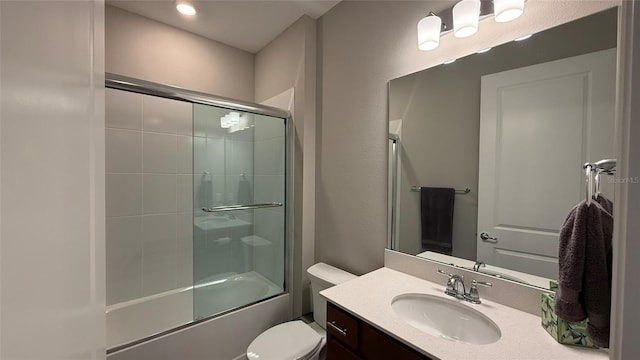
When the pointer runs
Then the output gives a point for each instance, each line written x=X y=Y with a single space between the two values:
x=349 y=338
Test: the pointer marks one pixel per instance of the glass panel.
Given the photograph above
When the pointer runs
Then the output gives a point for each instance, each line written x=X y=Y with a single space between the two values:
x=148 y=214
x=238 y=255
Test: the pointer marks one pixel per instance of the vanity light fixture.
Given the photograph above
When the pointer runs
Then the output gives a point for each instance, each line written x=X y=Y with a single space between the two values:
x=483 y=50
x=507 y=10
x=229 y=120
x=465 y=17
x=429 y=32
x=185 y=8
x=523 y=37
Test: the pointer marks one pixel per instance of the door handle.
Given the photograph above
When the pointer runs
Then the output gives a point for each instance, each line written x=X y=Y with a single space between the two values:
x=488 y=238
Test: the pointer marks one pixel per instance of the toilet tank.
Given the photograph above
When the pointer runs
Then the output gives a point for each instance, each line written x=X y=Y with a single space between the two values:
x=323 y=276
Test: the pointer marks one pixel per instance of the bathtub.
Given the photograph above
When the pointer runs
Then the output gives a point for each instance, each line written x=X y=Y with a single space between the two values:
x=141 y=318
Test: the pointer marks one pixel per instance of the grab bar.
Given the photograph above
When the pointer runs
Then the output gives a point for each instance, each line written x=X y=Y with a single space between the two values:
x=241 y=207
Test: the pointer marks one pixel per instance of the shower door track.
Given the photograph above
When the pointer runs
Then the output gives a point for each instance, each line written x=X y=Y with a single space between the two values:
x=120 y=82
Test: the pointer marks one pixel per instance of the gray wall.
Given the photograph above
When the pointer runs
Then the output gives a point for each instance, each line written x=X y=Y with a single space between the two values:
x=288 y=62
x=440 y=138
x=363 y=45
x=52 y=288
x=149 y=50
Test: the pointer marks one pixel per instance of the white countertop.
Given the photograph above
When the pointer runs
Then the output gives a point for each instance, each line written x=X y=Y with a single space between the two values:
x=369 y=297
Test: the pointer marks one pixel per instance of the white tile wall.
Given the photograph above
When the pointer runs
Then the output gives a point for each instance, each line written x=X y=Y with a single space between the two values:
x=184 y=155
x=124 y=110
x=166 y=116
x=159 y=153
x=184 y=193
x=269 y=157
x=269 y=187
x=123 y=194
x=149 y=166
x=159 y=194
x=124 y=251
x=159 y=251
x=185 y=249
x=124 y=153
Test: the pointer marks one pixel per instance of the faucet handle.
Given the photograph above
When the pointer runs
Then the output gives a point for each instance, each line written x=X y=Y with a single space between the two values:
x=441 y=272
x=486 y=284
x=473 y=296
x=450 y=290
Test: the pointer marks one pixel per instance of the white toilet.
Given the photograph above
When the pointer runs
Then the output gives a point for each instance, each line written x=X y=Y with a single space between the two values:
x=296 y=340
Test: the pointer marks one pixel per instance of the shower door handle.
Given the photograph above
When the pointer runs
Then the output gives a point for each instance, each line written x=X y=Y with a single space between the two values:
x=241 y=207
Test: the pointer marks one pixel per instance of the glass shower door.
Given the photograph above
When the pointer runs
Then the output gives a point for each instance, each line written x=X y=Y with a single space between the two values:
x=239 y=213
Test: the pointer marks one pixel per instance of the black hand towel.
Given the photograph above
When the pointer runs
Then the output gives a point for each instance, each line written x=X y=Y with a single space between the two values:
x=436 y=208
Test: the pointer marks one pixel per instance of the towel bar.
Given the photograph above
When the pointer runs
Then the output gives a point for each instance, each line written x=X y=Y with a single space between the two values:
x=458 y=191
x=241 y=207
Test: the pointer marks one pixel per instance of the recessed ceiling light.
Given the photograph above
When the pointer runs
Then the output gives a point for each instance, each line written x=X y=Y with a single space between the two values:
x=524 y=37
x=450 y=61
x=484 y=50
x=185 y=8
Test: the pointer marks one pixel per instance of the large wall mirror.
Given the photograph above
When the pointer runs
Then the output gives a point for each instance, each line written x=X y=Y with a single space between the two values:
x=487 y=152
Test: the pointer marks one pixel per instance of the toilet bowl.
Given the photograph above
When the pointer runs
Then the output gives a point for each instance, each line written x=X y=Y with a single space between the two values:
x=296 y=340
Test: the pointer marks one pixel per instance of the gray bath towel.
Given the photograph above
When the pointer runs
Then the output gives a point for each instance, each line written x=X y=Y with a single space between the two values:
x=584 y=279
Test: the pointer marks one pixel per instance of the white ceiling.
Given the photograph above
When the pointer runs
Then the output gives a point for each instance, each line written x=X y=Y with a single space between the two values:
x=245 y=24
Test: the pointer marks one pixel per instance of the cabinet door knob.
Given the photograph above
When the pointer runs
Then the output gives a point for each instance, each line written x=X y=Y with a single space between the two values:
x=333 y=325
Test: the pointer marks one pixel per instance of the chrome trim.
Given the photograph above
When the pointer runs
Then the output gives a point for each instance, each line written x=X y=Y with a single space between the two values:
x=173 y=92
x=392 y=194
x=241 y=207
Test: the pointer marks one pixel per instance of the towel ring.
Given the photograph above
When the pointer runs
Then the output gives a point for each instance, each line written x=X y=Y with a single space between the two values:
x=597 y=182
x=589 y=174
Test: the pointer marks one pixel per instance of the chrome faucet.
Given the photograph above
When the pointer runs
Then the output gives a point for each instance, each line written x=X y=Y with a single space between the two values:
x=478 y=265
x=456 y=288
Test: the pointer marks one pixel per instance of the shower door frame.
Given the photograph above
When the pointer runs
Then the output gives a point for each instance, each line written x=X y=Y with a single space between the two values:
x=119 y=82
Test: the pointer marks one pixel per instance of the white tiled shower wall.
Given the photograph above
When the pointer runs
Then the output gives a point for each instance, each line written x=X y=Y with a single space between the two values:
x=149 y=201
x=269 y=179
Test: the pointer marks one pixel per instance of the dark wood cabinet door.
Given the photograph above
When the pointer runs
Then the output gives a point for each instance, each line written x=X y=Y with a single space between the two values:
x=350 y=338
x=337 y=351
x=377 y=345
x=342 y=326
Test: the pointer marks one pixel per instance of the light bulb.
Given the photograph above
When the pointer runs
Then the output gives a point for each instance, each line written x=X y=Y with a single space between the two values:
x=429 y=32
x=185 y=8
x=523 y=37
x=466 y=15
x=507 y=10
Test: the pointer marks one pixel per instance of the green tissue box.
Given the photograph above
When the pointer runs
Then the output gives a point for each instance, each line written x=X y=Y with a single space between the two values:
x=564 y=332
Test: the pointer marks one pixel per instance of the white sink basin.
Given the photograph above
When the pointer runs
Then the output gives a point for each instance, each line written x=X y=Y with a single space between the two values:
x=445 y=318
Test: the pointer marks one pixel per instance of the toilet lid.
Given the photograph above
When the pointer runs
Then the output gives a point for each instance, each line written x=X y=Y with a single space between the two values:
x=292 y=340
